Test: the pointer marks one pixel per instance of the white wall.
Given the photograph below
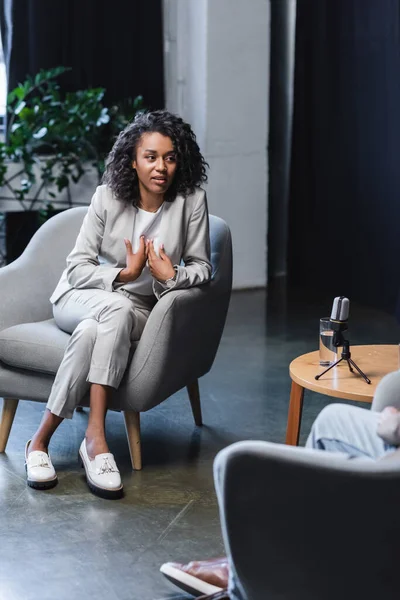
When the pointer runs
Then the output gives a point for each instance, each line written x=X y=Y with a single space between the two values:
x=217 y=74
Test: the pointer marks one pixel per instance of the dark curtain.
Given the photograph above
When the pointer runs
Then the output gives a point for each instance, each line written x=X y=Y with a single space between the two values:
x=113 y=44
x=345 y=174
x=280 y=124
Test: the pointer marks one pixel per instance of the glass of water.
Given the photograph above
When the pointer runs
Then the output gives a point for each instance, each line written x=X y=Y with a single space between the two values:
x=327 y=351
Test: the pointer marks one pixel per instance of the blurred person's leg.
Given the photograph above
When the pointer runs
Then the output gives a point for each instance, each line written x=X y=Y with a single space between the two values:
x=349 y=430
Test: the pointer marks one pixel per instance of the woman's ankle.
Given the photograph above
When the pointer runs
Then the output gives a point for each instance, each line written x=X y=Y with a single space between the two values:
x=41 y=438
x=38 y=443
x=96 y=443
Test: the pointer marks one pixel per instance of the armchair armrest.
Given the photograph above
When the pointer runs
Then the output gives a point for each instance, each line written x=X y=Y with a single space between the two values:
x=178 y=344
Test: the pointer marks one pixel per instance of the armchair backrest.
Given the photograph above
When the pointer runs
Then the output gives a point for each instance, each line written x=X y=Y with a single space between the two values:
x=52 y=243
x=27 y=283
x=221 y=253
x=304 y=524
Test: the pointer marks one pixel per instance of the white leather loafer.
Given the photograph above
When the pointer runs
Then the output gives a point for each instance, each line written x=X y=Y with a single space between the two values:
x=40 y=472
x=102 y=474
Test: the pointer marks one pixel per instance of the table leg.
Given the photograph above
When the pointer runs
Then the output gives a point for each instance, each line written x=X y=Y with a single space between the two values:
x=294 y=416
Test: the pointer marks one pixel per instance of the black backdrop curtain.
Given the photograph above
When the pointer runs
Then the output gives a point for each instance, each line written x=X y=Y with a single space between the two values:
x=345 y=173
x=113 y=44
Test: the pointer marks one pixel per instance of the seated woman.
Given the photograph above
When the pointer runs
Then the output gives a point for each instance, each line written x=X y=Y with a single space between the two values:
x=147 y=217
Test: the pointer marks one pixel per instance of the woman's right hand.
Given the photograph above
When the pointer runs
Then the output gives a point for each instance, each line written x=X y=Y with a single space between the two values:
x=135 y=261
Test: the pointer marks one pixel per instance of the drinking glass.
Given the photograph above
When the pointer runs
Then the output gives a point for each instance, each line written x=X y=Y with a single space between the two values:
x=327 y=351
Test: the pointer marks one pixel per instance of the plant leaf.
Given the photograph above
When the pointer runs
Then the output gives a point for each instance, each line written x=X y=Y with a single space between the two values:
x=19 y=107
x=41 y=133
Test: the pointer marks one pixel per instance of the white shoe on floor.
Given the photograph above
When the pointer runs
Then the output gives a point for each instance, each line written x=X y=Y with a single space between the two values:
x=40 y=472
x=102 y=474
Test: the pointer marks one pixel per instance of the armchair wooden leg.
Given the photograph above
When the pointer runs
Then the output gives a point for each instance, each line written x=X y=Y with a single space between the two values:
x=132 y=424
x=194 y=397
x=7 y=418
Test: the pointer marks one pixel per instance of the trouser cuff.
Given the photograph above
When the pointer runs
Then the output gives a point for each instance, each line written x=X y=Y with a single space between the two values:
x=103 y=376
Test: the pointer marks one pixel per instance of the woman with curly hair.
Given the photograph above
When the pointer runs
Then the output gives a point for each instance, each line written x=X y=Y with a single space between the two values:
x=148 y=217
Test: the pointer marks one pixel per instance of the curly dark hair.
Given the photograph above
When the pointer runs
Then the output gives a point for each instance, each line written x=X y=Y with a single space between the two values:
x=191 y=166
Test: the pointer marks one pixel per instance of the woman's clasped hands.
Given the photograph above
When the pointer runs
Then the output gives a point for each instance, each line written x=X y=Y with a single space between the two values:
x=160 y=265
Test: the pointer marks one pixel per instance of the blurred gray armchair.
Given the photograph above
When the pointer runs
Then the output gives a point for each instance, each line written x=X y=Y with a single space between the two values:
x=307 y=525
x=178 y=344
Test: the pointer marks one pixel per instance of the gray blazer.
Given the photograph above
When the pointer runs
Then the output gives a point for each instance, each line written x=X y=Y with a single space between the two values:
x=99 y=253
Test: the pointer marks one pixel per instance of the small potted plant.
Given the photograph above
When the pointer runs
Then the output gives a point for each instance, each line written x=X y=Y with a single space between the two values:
x=52 y=139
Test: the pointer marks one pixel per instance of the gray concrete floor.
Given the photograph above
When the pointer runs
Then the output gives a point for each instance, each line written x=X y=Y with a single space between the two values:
x=66 y=543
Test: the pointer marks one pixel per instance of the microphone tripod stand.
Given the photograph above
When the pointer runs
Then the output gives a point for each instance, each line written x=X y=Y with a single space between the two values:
x=346 y=355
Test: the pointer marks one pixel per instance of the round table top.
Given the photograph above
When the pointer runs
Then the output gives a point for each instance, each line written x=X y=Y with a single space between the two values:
x=375 y=361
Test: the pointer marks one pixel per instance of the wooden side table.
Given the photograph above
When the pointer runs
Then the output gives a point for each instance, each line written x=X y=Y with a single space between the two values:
x=376 y=361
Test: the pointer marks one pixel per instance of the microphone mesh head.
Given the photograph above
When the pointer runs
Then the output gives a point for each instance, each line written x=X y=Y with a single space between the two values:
x=340 y=309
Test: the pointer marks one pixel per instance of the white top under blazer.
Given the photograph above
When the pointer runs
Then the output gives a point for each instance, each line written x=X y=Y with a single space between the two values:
x=100 y=254
x=147 y=224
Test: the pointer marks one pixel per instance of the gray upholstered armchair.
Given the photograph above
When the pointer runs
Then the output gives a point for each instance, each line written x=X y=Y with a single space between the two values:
x=178 y=345
x=308 y=525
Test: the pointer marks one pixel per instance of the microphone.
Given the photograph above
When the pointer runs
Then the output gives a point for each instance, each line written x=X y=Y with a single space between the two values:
x=338 y=322
x=339 y=319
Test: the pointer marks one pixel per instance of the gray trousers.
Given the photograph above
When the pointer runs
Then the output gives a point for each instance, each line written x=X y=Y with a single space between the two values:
x=103 y=326
x=350 y=430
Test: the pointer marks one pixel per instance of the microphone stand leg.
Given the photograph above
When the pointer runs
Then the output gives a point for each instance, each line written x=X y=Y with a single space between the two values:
x=359 y=370
x=329 y=368
x=349 y=363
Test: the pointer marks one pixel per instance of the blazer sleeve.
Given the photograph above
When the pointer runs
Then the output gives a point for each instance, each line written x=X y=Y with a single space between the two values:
x=83 y=267
x=196 y=253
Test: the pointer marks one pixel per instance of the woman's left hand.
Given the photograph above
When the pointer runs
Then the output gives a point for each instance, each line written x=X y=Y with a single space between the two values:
x=160 y=266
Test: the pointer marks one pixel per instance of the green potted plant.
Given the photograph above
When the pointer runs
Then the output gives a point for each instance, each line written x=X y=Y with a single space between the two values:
x=52 y=139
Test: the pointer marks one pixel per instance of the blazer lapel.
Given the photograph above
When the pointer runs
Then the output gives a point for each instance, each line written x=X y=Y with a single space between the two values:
x=169 y=233
x=129 y=222
x=122 y=228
